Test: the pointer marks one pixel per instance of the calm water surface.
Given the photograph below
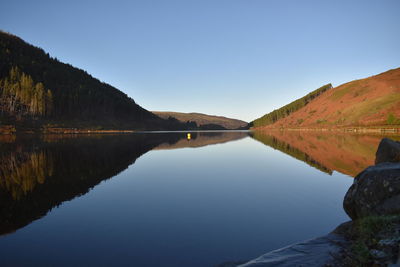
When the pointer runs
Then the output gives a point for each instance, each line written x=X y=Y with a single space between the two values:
x=158 y=199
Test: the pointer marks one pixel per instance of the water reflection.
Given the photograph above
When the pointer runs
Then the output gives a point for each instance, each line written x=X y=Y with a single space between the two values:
x=38 y=174
x=199 y=139
x=348 y=153
x=173 y=207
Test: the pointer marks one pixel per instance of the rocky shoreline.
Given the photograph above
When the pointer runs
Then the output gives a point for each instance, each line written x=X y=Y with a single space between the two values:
x=371 y=238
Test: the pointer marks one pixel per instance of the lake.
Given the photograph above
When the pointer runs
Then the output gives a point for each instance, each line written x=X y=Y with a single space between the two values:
x=162 y=199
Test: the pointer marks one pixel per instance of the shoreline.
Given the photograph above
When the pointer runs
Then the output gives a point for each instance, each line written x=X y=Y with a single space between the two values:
x=81 y=131
x=12 y=130
x=355 y=129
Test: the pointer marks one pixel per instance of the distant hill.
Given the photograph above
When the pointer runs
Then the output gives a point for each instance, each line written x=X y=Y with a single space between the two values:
x=203 y=120
x=369 y=102
x=37 y=90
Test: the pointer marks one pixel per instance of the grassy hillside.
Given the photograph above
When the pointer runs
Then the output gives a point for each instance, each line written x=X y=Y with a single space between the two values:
x=203 y=119
x=288 y=109
x=36 y=89
x=369 y=102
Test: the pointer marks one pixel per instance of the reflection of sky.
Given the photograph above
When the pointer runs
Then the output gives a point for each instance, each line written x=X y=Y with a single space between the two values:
x=189 y=207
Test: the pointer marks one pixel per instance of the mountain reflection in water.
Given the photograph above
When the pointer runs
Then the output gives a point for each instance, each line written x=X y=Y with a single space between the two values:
x=347 y=153
x=38 y=174
x=197 y=206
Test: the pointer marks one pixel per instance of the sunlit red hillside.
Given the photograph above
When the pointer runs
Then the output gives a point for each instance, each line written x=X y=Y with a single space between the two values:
x=370 y=102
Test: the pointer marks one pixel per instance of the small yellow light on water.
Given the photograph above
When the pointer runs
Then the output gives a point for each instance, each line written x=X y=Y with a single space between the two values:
x=188 y=136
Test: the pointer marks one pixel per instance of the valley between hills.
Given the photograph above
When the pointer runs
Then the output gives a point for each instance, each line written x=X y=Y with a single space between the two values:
x=39 y=93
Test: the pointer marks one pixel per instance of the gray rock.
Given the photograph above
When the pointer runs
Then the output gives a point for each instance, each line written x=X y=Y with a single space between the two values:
x=389 y=242
x=375 y=191
x=315 y=252
x=388 y=151
x=378 y=254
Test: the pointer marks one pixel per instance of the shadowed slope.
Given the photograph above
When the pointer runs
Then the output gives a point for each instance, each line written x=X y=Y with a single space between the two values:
x=36 y=89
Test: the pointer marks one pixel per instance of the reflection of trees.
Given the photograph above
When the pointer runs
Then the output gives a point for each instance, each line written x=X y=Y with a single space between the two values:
x=273 y=142
x=327 y=151
x=7 y=138
x=37 y=175
x=20 y=172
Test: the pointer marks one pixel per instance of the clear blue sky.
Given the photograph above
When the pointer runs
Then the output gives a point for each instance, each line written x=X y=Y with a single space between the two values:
x=237 y=58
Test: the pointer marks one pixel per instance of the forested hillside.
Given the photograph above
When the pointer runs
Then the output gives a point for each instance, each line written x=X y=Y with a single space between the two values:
x=286 y=110
x=36 y=89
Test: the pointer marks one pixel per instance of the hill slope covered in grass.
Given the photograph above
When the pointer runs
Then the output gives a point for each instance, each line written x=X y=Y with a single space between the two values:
x=369 y=102
x=204 y=120
x=288 y=109
x=38 y=90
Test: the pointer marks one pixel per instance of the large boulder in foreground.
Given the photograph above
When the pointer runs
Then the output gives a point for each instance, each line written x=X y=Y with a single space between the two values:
x=375 y=191
x=388 y=151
